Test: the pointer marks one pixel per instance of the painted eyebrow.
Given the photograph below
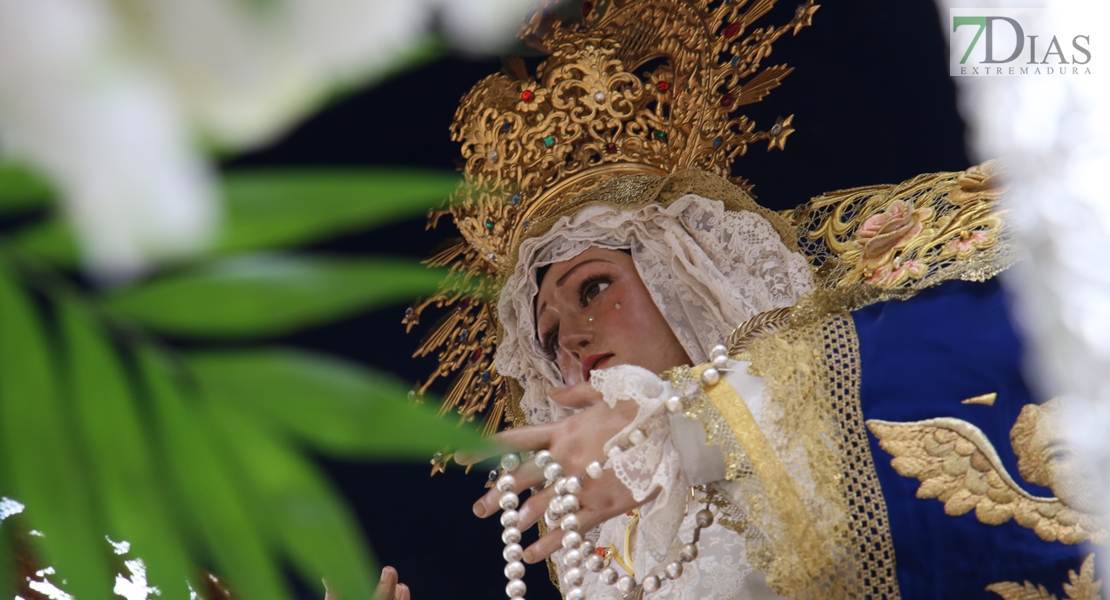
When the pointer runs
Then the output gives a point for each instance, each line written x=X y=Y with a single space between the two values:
x=563 y=279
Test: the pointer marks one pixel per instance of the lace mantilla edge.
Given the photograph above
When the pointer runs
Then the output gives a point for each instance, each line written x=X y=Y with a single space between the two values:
x=812 y=372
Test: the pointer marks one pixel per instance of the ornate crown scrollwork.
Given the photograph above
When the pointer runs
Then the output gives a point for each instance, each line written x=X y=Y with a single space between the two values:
x=635 y=87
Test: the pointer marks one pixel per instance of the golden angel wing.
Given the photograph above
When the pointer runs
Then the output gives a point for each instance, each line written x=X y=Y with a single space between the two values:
x=957 y=464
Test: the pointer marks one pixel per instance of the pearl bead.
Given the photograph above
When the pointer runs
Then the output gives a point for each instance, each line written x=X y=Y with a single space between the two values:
x=651 y=584
x=688 y=553
x=511 y=535
x=506 y=483
x=543 y=458
x=599 y=97
x=569 y=523
x=573 y=486
x=512 y=553
x=510 y=462
x=613 y=451
x=720 y=362
x=556 y=505
x=587 y=547
x=510 y=518
x=674 y=570
x=516 y=588
x=595 y=470
x=625 y=584
x=572 y=539
x=637 y=437
x=673 y=404
x=704 y=518
x=555 y=512
x=573 y=558
x=576 y=594
x=595 y=563
x=570 y=503
x=561 y=486
x=718 y=350
x=553 y=471
x=509 y=501
x=514 y=570
x=609 y=575
x=710 y=376
x=551 y=523
x=574 y=577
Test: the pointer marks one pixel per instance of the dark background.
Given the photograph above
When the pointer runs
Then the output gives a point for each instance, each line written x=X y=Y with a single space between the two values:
x=873 y=103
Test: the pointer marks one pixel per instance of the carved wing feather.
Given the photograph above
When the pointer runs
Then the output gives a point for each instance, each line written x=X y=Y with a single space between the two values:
x=957 y=464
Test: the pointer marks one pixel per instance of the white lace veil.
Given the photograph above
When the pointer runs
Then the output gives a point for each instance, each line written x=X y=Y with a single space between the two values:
x=708 y=270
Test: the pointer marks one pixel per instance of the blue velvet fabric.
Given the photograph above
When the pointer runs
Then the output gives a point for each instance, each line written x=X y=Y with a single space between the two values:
x=919 y=359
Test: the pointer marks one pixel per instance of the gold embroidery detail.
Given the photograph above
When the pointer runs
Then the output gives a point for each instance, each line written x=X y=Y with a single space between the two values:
x=759 y=326
x=957 y=464
x=1082 y=586
x=916 y=234
x=985 y=399
x=811 y=398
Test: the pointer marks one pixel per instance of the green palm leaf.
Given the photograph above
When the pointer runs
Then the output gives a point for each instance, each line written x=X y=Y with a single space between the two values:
x=39 y=448
x=270 y=294
x=208 y=487
x=133 y=498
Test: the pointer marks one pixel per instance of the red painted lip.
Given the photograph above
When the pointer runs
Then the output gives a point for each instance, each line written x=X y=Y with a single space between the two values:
x=593 y=362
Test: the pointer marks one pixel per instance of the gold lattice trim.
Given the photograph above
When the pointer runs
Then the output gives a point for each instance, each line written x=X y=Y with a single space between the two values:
x=811 y=370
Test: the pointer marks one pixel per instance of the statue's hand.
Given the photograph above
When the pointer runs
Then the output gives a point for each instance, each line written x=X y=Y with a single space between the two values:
x=574 y=442
x=388 y=588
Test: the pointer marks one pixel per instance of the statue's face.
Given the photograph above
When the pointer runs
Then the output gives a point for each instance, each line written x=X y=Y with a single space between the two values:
x=626 y=326
x=1069 y=477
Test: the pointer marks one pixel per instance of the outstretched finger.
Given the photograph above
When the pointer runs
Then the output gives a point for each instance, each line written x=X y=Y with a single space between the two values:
x=387 y=586
x=526 y=476
x=534 y=437
x=579 y=395
x=330 y=594
x=550 y=543
x=534 y=508
x=402 y=592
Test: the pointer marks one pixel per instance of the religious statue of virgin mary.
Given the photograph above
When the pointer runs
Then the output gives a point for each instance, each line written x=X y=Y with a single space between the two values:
x=711 y=400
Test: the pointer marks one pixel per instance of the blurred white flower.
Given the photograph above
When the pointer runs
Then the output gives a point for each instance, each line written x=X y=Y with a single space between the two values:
x=109 y=97
x=1054 y=133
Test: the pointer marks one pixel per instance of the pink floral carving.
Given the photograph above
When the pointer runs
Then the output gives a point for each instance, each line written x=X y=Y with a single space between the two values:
x=883 y=234
x=893 y=274
x=967 y=243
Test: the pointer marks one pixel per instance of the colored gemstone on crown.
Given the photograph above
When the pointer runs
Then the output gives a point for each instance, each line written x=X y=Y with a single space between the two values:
x=660 y=135
x=485 y=375
x=476 y=355
x=776 y=129
x=726 y=99
x=464 y=304
x=717 y=141
x=611 y=148
x=527 y=95
x=731 y=30
x=663 y=86
x=516 y=199
x=489 y=224
x=549 y=141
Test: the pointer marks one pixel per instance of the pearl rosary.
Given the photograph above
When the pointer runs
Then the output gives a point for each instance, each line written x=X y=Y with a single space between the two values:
x=579 y=551
x=561 y=514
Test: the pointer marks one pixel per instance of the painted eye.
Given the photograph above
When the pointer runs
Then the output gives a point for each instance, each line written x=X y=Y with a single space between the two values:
x=592 y=289
x=550 y=344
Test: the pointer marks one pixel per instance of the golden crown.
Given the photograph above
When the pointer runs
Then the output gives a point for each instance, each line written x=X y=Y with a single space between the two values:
x=636 y=87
